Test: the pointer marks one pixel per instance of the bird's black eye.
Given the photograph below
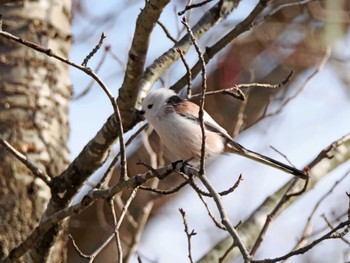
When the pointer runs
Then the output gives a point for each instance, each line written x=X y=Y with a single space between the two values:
x=150 y=106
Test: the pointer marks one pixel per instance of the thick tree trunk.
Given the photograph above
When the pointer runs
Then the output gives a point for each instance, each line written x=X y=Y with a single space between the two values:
x=34 y=95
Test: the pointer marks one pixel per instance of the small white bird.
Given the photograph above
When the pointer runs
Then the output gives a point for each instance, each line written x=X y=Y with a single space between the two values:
x=177 y=124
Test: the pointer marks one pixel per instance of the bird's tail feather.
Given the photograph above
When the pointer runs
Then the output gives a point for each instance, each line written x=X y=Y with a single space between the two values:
x=239 y=149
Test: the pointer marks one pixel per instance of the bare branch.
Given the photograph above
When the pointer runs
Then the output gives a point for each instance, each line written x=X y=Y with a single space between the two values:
x=146 y=211
x=81 y=254
x=165 y=192
x=233 y=188
x=222 y=259
x=282 y=154
x=218 y=224
x=95 y=49
x=329 y=235
x=116 y=158
x=166 y=32
x=121 y=218
x=123 y=162
x=189 y=7
x=240 y=121
x=307 y=229
x=188 y=70
x=49 y=52
x=116 y=231
x=23 y=159
x=224 y=218
x=285 y=198
x=188 y=234
x=225 y=192
x=129 y=216
x=44 y=226
x=137 y=57
x=97 y=69
x=204 y=88
x=237 y=93
x=280 y=7
x=337 y=235
x=156 y=158
x=302 y=87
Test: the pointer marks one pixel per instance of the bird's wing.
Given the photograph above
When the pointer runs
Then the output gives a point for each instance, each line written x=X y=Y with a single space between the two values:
x=190 y=111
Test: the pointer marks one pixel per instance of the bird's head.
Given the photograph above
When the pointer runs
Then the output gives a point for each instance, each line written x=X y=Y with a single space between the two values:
x=154 y=102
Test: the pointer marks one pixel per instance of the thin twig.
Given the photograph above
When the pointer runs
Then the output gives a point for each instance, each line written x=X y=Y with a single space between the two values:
x=129 y=216
x=89 y=72
x=94 y=50
x=236 y=90
x=165 y=192
x=240 y=121
x=218 y=224
x=123 y=162
x=116 y=158
x=136 y=237
x=303 y=250
x=337 y=235
x=307 y=229
x=23 y=159
x=166 y=31
x=278 y=8
x=200 y=194
x=224 y=218
x=337 y=219
x=225 y=192
x=126 y=207
x=188 y=70
x=97 y=69
x=156 y=158
x=188 y=7
x=81 y=254
x=285 y=198
x=204 y=89
x=100 y=248
x=188 y=234
x=282 y=154
x=223 y=257
x=318 y=69
x=116 y=231
x=49 y=52
x=233 y=188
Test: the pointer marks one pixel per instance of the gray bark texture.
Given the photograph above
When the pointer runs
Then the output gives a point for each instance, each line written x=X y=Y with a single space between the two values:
x=34 y=94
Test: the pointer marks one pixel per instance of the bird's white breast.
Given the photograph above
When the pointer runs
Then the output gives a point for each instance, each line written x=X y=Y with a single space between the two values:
x=183 y=136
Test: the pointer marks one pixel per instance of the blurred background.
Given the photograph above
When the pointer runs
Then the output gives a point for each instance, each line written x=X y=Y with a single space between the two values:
x=299 y=119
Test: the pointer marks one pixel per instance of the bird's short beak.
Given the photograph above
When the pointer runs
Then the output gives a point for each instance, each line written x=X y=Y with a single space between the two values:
x=141 y=114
